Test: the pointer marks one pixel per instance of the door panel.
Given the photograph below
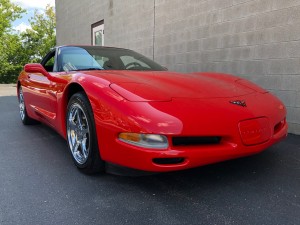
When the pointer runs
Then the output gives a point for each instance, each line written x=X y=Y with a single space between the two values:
x=42 y=97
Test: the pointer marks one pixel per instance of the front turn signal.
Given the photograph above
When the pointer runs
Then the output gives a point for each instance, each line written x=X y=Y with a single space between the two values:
x=154 y=141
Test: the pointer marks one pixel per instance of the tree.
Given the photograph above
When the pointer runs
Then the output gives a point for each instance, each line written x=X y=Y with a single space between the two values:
x=17 y=49
x=10 y=44
x=41 y=37
x=12 y=58
x=9 y=12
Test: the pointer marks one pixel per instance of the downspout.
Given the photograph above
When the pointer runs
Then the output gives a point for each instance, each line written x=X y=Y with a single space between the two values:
x=153 y=30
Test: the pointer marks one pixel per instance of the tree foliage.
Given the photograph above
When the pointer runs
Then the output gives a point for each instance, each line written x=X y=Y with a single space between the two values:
x=10 y=44
x=17 y=49
x=41 y=37
x=8 y=13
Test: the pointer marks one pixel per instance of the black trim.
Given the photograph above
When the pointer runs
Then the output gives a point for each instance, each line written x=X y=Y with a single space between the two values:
x=115 y=169
x=168 y=161
x=205 y=140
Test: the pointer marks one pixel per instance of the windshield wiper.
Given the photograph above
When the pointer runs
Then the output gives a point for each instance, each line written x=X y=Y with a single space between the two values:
x=92 y=68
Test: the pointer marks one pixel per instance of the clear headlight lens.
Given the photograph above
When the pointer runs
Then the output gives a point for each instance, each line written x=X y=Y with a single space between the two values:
x=145 y=140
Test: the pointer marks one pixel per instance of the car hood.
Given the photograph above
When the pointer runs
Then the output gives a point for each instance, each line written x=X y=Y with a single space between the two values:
x=165 y=85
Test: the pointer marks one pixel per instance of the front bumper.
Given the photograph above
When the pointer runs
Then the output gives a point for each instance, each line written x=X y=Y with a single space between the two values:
x=243 y=130
x=182 y=157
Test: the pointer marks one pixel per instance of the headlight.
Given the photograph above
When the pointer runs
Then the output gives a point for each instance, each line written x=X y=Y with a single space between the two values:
x=145 y=140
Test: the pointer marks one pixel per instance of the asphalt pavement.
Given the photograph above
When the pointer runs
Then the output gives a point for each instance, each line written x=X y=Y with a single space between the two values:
x=40 y=185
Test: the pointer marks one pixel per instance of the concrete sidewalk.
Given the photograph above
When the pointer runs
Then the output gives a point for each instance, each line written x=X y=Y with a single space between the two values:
x=8 y=89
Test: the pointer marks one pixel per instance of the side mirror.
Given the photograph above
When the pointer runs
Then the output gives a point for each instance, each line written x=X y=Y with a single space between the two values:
x=35 y=68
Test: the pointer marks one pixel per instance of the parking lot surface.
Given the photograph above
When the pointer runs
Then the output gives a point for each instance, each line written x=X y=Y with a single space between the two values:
x=40 y=185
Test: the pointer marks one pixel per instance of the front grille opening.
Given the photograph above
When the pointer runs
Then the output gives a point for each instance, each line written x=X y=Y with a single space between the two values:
x=167 y=161
x=204 y=140
x=279 y=126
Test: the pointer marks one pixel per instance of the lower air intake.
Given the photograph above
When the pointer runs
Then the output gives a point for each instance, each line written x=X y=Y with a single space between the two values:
x=207 y=140
x=167 y=161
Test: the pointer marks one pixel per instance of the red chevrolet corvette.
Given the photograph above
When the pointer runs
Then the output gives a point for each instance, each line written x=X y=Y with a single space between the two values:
x=117 y=107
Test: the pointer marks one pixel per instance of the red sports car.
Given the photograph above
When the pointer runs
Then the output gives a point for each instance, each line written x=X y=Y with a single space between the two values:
x=117 y=107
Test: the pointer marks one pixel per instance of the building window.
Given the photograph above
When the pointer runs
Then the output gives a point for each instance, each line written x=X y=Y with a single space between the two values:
x=98 y=33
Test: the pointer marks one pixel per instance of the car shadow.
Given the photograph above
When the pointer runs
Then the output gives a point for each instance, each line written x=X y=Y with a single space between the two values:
x=246 y=169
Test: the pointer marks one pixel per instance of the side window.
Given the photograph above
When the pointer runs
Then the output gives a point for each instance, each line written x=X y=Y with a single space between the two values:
x=48 y=61
x=49 y=64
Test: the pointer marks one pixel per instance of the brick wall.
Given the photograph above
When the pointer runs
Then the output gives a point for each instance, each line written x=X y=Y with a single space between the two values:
x=255 y=39
x=74 y=19
x=126 y=23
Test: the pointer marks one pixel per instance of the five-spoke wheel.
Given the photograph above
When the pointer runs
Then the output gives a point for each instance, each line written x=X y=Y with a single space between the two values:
x=21 y=104
x=81 y=134
x=78 y=133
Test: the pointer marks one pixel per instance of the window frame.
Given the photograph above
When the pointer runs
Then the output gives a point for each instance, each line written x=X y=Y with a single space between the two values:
x=96 y=27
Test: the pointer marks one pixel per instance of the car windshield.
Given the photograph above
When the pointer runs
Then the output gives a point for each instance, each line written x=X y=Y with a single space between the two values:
x=71 y=58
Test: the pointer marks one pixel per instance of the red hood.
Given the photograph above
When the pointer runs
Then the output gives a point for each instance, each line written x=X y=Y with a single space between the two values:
x=164 y=85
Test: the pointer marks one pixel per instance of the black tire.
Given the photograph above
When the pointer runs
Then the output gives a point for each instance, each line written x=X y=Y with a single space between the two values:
x=81 y=135
x=26 y=120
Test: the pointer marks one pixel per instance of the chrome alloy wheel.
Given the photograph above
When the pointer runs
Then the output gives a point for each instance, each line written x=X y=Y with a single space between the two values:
x=78 y=133
x=21 y=104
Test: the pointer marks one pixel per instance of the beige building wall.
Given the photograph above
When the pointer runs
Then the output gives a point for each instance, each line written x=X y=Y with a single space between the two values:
x=255 y=39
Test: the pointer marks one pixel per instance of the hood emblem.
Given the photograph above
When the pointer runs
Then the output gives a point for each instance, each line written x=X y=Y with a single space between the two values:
x=239 y=103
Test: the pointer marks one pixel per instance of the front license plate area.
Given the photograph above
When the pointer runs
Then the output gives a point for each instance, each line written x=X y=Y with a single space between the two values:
x=255 y=131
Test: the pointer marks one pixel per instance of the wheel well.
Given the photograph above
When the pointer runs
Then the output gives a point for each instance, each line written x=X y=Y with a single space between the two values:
x=73 y=89
x=68 y=93
x=18 y=86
